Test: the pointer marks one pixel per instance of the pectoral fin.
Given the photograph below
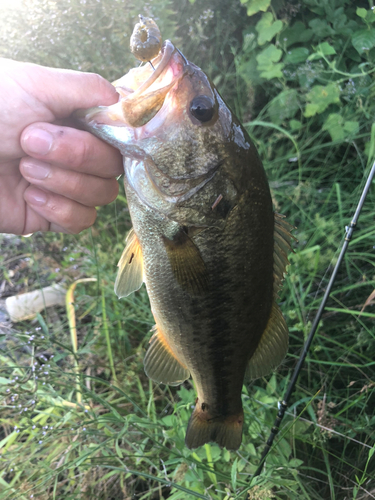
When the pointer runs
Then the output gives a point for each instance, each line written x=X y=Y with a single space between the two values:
x=272 y=347
x=187 y=264
x=130 y=274
x=161 y=364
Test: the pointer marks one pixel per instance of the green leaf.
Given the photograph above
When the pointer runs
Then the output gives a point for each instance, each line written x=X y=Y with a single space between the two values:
x=215 y=452
x=338 y=128
x=323 y=49
x=226 y=455
x=8 y=441
x=254 y=6
x=118 y=449
x=169 y=420
x=351 y=128
x=363 y=40
x=321 y=28
x=295 y=462
x=250 y=448
x=285 y=448
x=267 y=29
x=361 y=12
x=270 y=54
x=295 y=125
x=233 y=474
x=272 y=72
x=272 y=385
x=326 y=49
x=241 y=465
x=42 y=323
x=267 y=60
x=283 y=106
x=298 y=33
x=296 y=56
x=320 y=98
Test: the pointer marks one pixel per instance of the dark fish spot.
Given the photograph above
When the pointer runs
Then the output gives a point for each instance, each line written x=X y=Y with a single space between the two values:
x=223 y=208
x=131 y=258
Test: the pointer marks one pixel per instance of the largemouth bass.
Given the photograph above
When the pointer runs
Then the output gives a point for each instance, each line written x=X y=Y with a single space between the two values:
x=205 y=239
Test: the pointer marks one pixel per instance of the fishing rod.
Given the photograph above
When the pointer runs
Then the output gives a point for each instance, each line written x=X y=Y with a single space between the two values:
x=282 y=405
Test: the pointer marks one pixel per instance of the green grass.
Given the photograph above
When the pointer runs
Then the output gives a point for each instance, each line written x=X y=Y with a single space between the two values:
x=126 y=435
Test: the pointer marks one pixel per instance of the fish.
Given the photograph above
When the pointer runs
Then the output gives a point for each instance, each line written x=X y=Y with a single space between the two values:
x=205 y=239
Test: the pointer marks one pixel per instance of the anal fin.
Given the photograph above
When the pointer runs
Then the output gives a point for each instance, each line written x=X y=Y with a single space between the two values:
x=161 y=364
x=272 y=347
x=130 y=274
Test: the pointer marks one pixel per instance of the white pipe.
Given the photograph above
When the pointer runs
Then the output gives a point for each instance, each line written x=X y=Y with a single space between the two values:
x=27 y=305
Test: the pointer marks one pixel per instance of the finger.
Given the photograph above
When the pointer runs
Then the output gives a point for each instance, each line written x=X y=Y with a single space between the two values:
x=66 y=90
x=60 y=212
x=85 y=90
x=71 y=149
x=62 y=90
x=88 y=190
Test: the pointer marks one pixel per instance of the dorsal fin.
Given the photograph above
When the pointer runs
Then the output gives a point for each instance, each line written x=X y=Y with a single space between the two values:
x=273 y=344
x=161 y=364
x=130 y=274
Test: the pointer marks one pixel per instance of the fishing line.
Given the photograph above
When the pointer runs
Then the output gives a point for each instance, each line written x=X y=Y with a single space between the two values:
x=337 y=251
x=282 y=405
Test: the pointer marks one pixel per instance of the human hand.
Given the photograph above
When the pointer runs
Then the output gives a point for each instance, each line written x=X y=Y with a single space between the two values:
x=51 y=176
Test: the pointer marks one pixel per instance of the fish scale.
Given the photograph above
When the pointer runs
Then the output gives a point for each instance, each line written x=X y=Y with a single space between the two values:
x=213 y=321
x=205 y=240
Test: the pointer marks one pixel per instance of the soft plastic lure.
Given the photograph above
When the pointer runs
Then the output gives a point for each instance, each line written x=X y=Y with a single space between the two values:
x=146 y=40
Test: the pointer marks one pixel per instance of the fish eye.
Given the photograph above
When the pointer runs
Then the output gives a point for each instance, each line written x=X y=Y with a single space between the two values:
x=202 y=108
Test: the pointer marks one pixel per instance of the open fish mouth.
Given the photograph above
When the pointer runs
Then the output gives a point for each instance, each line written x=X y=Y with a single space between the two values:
x=154 y=102
x=143 y=91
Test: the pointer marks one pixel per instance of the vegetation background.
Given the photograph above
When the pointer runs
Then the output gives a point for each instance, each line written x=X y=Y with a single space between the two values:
x=79 y=419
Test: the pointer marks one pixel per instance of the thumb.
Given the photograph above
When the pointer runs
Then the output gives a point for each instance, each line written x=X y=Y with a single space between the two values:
x=63 y=91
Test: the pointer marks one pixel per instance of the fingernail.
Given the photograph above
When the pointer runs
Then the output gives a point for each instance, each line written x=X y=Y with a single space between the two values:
x=38 y=141
x=35 y=196
x=35 y=170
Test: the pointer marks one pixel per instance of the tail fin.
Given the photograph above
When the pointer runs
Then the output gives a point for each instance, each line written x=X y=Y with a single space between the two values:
x=225 y=431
